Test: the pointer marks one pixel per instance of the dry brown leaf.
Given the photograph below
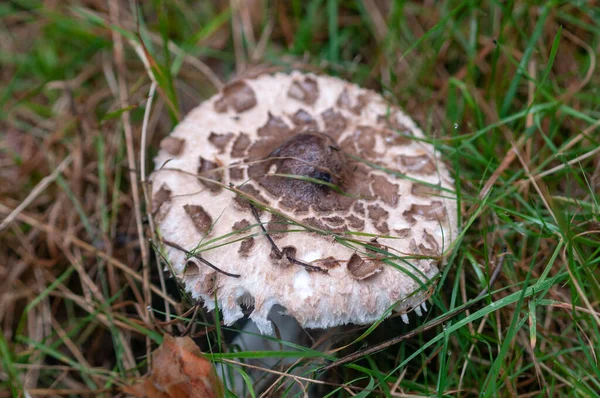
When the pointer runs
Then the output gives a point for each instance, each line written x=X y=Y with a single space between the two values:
x=179 y=370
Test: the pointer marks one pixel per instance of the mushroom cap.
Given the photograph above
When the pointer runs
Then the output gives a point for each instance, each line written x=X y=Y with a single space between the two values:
x=359 y=205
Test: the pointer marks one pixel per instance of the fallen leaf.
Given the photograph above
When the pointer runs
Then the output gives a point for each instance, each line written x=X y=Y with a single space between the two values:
x=179 y=370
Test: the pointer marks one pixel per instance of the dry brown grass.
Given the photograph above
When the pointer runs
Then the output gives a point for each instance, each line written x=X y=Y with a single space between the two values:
x=78 y=275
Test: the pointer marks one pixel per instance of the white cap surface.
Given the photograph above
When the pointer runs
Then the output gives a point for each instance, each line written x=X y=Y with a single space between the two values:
x=360 y=208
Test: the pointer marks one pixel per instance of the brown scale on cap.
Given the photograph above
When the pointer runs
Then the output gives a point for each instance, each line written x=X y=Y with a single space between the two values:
x=191 y=268
x=237 y=95
x=361 y=143
x=430 y=247
x=237 y=171
x=359 y=208
x=389 y=121
x=275 y=128
x=161 y=203
x=433 y=211
x=200 y=218
x=204 y=170
x=359 y=186
x=376 y=250
x=287 y=151
x=172 y=145
x=253 y=194
x=304 y=119
x=424 y=190
x=421 y=164
x=161 y=196
x=272 y=134
x=335 y=123
x=403 y=233
x=384 y=189
x=209 y=283
x=326 y=263
x=378 y=216
x=354 y=105
x=220 y=140
x=242 y=224
x=240 y=145
x=246 y=246
x=282 y=258
x=277 y=226
x=335 y=220
x=315 y=223
x=395 y=138
x=355 y=223
x=361 y=269
x=305 y=90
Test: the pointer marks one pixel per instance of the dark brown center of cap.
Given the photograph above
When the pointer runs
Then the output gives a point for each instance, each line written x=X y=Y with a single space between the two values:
x=307 y=166
x=310 y=155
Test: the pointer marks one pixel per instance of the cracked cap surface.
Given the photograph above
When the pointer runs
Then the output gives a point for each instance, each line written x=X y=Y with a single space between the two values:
x=341 y=181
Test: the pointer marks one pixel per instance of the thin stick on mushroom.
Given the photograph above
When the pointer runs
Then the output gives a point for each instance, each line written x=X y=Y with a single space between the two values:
x=199 y=258
x=277 y=250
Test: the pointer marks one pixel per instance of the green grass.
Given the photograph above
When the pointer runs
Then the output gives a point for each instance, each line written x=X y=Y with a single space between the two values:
x=481 y=78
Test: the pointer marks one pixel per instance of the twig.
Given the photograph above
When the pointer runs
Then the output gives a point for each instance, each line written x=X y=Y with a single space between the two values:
x=199 y=258
x=188 y=328
x=263 y=369
x=119 y=54
x=238 y=39
x=71 y=239
x=396 y=340
x=570 y=162
x=470 y=353
x=143 y=144
x=575 y=88
x=279 y=252
x=35 y=192
x=145 y=131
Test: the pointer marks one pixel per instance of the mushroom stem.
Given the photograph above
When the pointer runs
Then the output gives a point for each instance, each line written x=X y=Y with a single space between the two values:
x=199 y=258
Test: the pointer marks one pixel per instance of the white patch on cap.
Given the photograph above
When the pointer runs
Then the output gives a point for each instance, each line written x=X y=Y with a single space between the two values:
x=302 y=284
x=311 y=255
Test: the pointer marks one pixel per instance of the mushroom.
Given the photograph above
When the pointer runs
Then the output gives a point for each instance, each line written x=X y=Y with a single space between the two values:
x=307 y=192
